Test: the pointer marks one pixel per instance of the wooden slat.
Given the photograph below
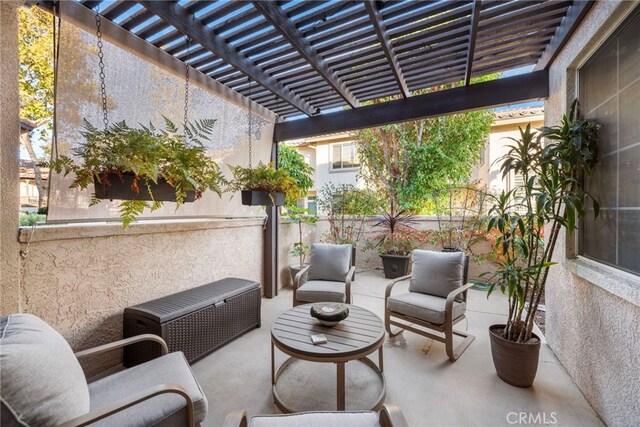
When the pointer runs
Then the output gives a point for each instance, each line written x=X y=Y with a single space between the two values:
x=473 y=33
x=278 y=18
x=525 y=87
x=381 y=31
x=570 y=22
x=173 y=14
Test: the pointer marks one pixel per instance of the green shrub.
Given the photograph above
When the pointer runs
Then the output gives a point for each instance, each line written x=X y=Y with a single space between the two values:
x=27 y=220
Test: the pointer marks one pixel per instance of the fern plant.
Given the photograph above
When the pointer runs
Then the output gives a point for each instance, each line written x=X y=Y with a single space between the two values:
x=148 y=154
x=265 y=178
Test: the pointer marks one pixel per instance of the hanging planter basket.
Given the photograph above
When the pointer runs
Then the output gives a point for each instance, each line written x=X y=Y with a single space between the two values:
x=262 y=198
x=119 y=188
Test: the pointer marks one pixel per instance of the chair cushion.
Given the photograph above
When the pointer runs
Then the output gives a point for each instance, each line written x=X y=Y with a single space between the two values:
x=436 y=273
x=424 y=307
x=162 y=410
x=329 y=262
x=317 y=419
x=42 y=382
x=322 y=291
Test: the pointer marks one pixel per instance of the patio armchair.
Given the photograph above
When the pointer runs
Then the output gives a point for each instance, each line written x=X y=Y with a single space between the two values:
x=390 y=416
x=437 y=299
x=43 y=383
x=328 y=276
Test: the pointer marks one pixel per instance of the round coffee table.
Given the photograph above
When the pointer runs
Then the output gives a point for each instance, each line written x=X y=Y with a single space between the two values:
x=354 y=338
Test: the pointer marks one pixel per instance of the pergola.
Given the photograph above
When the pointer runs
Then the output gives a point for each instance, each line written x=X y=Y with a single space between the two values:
x=316 y=64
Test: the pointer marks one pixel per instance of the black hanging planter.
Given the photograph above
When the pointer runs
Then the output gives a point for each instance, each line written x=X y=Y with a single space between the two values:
x=261 y=198
x=119 y=188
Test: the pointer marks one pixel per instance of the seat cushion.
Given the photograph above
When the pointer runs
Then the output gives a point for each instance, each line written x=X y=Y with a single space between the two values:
x=162 y=410
x=436 y=273
x=329 y=262
x=42 y=382
x=424 y=307
x=317 y=419
x=322 y=291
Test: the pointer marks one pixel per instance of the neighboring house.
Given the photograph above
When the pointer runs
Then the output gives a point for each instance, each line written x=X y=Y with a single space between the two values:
x=28 y=176
x=336 y=161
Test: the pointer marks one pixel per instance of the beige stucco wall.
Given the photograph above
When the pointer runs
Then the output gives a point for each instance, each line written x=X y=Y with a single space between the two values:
x=593 y=311
x=9 y=154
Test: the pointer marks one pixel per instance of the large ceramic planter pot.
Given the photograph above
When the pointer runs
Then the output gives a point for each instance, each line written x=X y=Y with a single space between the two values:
x=118 y=187
x=262 y=198
x=395 y=265
x=515 y=363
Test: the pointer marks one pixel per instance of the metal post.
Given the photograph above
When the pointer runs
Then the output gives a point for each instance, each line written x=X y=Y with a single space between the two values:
x=271 y=242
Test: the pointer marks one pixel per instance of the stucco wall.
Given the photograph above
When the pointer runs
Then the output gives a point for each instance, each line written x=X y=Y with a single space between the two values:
x=593 y=311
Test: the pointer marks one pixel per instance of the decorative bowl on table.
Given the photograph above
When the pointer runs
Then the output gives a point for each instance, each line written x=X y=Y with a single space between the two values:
x=329 y=314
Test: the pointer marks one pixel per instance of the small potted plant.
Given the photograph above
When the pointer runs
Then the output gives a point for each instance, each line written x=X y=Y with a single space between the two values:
x=300 y=249
x=264 y=185
x=144 y=165
x=527 y=221
x=396 y=243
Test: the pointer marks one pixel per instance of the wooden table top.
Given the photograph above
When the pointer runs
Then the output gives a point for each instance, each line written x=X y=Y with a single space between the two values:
x=357 y=335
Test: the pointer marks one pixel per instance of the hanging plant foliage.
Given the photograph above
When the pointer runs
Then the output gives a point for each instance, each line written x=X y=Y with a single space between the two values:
x=264 y=185
x=144 y=165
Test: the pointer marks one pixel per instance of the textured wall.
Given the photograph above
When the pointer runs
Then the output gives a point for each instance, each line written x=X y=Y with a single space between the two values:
x=593 y=332
x=9 y=148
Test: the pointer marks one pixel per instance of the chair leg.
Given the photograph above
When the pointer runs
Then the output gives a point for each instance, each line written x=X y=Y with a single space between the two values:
x=387 y=326
x=454 y=353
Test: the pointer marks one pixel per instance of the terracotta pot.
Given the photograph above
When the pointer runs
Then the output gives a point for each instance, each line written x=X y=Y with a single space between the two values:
x=395 y=265
x=515 y=363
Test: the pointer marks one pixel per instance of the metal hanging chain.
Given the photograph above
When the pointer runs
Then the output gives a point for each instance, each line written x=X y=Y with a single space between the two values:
x=186 y=83
x=250 y=127
x=103 y=88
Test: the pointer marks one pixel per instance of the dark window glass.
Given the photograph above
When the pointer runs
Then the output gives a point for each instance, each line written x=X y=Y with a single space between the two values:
x=610 y=94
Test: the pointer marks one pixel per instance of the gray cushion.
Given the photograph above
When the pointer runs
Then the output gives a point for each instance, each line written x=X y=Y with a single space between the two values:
x=424 y=307
x=322 y=291
x=42 y=382
x=317 y=419
x=436 y=273
x=162 y=410
x=329 y=262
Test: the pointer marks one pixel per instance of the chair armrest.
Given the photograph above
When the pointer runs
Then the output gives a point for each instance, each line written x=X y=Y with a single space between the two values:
x=123 y=343
x=391 y=284
x=298 y=278
x=448 y=308
x=236 y=419
x=133 y=400
x=347 y=285
x=392 y=416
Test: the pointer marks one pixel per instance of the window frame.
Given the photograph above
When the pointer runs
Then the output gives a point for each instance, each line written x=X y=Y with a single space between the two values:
x=333 y=146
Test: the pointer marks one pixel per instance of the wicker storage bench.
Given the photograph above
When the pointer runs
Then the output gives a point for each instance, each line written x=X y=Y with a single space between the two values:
x=196 y=321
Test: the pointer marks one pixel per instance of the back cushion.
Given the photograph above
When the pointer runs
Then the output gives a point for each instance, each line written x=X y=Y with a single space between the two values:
x=436 y=273
x=42 y=383
x=330 y=262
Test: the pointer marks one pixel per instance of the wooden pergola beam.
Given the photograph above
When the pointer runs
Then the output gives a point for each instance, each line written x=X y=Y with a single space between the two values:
x=274 y=14
x=173 y=14
x=473 y=34
x=520 y=88
x=381 y=31
x=568 y=25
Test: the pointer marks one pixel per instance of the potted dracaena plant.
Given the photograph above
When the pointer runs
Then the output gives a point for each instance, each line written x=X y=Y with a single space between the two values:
x=138 y=166
x=396 y=243
x=528 y=220
x=264 y=185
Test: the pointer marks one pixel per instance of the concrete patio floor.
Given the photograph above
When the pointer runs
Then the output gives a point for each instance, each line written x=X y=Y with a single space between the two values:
x=419 y=378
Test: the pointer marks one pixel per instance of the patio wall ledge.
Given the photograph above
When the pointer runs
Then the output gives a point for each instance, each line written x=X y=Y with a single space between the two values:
x=621 y=284
x=89 y=230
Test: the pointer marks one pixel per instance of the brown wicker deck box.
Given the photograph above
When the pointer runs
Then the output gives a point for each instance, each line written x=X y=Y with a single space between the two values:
x=196 y=321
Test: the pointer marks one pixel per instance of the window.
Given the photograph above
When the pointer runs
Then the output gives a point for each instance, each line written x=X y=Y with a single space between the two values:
x=609 y=86
x=343 y=156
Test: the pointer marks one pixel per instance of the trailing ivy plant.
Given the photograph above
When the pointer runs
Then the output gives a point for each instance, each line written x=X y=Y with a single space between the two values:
x=265 y=178
x=149 y=154
x=550 y=199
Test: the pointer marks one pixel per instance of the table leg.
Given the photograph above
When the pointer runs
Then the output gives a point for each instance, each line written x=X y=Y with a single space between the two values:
x=341 y=384
x=380 y=360
x=273 y=365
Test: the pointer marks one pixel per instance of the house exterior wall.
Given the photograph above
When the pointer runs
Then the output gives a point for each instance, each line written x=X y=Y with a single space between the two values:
x=593 y=310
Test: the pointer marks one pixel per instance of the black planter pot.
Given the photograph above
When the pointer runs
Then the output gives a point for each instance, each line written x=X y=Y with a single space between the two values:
x=515 y=363
x=119 y=188
x=261 y=198
x=395 y=265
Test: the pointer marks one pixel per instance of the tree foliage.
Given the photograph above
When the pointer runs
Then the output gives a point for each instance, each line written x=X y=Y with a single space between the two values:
x=293 y=163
